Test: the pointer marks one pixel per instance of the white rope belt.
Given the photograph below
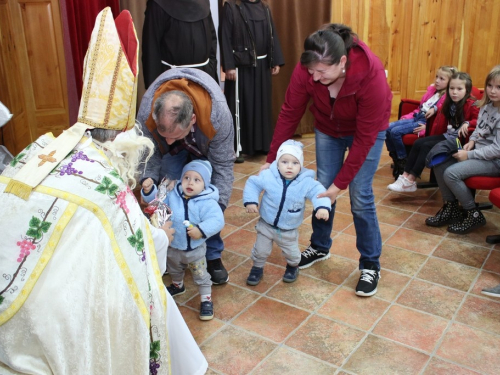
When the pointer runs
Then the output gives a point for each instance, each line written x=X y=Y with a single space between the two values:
x=187 y=66
x=261 y=57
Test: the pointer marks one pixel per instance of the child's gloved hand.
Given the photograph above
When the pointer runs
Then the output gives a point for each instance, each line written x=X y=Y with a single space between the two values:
x=252 y=209
x=194 y=232
x=322 y=214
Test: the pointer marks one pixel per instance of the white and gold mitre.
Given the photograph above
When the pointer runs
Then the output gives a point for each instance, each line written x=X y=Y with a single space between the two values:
x=110 y=74
x=108 y=101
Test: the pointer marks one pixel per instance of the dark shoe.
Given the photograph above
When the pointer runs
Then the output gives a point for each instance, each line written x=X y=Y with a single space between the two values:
x=217 y=272
x=239 y=159
x=472 y=219
x=492 y=292
x=448 y=214
x=255 y=276
x=399 y=168
x=368 y=280
x=207 y=310
x=174 y=290
x=291 y=274
x=310 y=256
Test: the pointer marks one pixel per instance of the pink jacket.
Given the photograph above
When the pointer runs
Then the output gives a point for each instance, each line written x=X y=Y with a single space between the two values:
x=431 y=90
x=362 y=109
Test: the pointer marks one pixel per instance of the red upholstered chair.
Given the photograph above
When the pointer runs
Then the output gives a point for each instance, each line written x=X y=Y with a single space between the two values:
x=483 y=183
x=494 y=197
x=409 y=105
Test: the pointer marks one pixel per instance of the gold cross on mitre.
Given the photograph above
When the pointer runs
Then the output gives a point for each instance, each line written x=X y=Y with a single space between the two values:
x=47 y=158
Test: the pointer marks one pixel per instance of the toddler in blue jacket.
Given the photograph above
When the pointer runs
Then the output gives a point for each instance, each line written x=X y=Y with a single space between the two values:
x=286 y=185
x=196 y=216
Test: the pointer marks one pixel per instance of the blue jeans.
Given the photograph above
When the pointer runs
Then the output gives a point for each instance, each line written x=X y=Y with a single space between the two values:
x=330 y=154
x=171 y=166
x=394 y=135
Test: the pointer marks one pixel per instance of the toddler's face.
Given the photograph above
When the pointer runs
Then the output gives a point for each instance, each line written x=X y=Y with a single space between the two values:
x=192 y=183
x=289 y=166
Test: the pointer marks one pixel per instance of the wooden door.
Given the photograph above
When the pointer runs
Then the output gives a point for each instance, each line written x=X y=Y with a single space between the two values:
x=32 y=71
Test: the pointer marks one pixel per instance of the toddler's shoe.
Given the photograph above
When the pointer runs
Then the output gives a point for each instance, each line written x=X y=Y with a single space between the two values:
x=291 y=274
x=207 y=310
x=174 y=289
x=255 y=276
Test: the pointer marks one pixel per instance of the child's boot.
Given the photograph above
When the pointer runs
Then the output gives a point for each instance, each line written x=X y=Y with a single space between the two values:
x=472 y=219
x=291 y=274
x=255 y=276
x=450 y=213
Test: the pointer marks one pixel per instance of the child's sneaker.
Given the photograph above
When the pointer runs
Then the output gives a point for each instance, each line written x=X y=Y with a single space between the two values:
x=255 y=276
x=206 y=310
x=174 y=289
x=403 y=185
x=291 y=274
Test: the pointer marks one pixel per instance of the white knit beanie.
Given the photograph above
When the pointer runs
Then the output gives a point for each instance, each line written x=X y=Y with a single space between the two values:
x=293 y=148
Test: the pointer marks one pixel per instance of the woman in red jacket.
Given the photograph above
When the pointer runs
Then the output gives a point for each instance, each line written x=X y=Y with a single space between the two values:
x=351 y=104
x=456 y=118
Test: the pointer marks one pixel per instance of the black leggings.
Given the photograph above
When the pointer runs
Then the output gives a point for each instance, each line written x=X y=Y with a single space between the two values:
x=415 y=163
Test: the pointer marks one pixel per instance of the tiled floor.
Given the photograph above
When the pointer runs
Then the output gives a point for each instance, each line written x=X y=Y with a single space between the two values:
x=428 y=316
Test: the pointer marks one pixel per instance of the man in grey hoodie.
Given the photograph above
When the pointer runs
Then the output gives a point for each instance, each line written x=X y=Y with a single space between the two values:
x=185 y=113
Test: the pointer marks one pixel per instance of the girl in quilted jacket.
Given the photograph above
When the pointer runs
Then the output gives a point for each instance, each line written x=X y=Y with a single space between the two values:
x=414 y=122
x=457 y=116
x=479 y=157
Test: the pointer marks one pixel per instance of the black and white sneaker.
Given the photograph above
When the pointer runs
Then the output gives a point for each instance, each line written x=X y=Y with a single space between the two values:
x=310 y=256
x=368 y=280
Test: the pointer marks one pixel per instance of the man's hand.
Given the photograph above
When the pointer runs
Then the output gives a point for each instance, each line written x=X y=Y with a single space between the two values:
x=194 y=232
x=167 y=228
x=231 y=75
x=147 y=185
x=322 y=214
x=252 y=209
x=275 y=70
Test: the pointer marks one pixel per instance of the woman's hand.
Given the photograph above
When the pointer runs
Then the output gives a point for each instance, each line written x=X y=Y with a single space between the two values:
x=430 y=113
x=331 y=193
x=194 y=232
x=461 y=155
x=169 y=231
x=275 y=70
x=231 y=75
x=464 y=130
x=469 y=146
x=264 y=167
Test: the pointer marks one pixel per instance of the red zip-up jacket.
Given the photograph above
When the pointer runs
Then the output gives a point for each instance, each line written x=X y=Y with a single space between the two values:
x=362 y=108
x=471 y=112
